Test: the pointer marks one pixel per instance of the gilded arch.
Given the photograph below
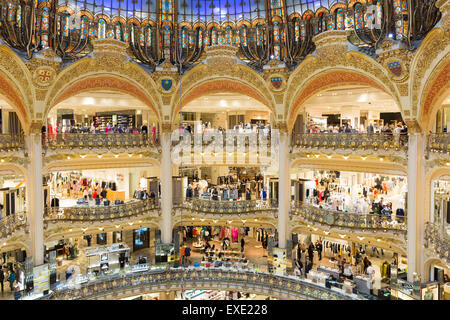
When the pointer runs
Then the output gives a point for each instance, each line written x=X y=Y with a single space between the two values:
x=331 y=69
x=16 y=85
x=436 y=89
x=108 y=72
x=431 y=53
x=203 y=79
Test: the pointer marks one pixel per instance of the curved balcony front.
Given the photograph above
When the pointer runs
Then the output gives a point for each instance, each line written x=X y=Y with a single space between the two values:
x=84 y=220
x=347 y=221
x=100 y=212
x=12 y=223
x=364 y=144
x=438 y=147
x=228 y=147
x=11 y=142
x=165 y=279
x=437 y=242
x=245 y=212
x=95 y=142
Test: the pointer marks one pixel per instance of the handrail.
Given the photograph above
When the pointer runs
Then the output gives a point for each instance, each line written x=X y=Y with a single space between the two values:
x=238 y=206
x=11 y=223
x=11 y=142
x=100 y=212
x=436 y=240
x=200 y=277
x=346 y=219
x=99 y=140
x=365 y=141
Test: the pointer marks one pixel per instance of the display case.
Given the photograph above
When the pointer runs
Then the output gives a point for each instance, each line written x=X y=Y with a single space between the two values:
x=106 y=259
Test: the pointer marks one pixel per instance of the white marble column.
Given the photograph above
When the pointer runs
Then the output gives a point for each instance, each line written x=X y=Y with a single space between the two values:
x=166 y=188
x=35 y=196
x=415 y=201
x=284 y=189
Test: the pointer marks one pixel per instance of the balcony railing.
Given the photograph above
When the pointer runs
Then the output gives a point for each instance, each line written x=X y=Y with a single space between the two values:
x=11 y=142
x=229 y=207
x=99 y=140
x=436 y=240
x=351 y=141
x=171 y=279
x=101 y=212
x=315 y=214
x=439 y=143
x=11 y=223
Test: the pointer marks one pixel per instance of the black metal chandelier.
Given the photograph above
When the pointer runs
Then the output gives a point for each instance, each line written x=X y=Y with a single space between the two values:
x=178 y=31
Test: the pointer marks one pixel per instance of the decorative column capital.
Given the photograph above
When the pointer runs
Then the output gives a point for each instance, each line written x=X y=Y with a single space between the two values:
x=166 y=127
x=281 y=127
x=36 y=127
x=413 y=126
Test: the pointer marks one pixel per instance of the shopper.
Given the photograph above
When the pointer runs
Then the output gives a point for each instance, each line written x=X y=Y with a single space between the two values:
x=11 y=279
x=319 y=249
x=2 y=278
x=242 y=244
x=311 y=252
x=371 y=273
x=187 y=254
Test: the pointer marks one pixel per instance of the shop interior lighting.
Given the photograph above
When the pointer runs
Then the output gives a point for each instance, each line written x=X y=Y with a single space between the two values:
x=256 y=220
x=68 y=157
x=130 y=223
x=84 y=229
x=315 y=229
x=381 y=159
x=244 y=221
x=140 y=156
x=345 y=157
x=342 y=236
x=116 y=156
x=316 y=155
x=117 y=227
x=361 y=238
x=202 y=220
x=70 y=230
x=329 y=157
x=3 y=160
x=130 y=155
x=99 y=156
x=447 y=164
x=83 y=156
x=326 y=232
x=230 y=221
x=215 y=221
x=364 y=158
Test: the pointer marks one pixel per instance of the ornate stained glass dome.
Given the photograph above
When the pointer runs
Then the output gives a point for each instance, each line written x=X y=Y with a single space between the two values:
x=179 y=30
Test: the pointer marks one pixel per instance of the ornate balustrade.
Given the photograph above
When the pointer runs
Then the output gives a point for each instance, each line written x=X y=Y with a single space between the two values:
x=11 y=142
x=436 y=240
x=229 y=207
x=225 y=138
x=439 y=143
x=351 y=141
x=114 y=287
x=80 y=213
x=315 y=214
x=11 y=223
x=99 y=141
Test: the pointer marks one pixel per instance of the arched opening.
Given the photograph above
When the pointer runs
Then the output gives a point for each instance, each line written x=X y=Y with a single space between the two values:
x=13 y=114
x=224 y=86
x=442 y=115
x=326 y=80
x=348 y=108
